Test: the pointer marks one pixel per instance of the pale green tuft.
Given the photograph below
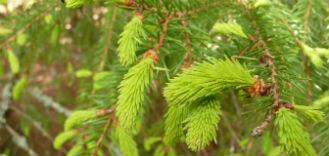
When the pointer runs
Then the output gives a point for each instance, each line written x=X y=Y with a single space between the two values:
x=316 y=54
x=75 y=150
x=205 y=79
x=132 y=91
x=322 y=102
x=229 y=28
x=79 y=117
x=13 y=62
x=19 y=86
x=82 y=73
x=310 y=112
x=260 y=3
x=293 y=139
x=174 y=128
x=63 y=137
x=202 y=124
x=126 y=142
x=131 y=36
x=76 y=3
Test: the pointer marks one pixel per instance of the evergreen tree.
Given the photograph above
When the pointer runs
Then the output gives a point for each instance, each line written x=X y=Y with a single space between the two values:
x=165 y=77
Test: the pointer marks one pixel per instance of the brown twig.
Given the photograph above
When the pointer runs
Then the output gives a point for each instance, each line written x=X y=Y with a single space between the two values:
x=188 y=59
x=101 y=138
x=163 y=35
x=305 y=59
x=268 y=59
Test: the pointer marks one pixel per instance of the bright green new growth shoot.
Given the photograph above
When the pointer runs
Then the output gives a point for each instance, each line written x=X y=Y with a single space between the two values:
x=312 y=113
x=207 y=78
x=126 y=142
x=293 y=139
x=131 y=36
x=79 y=117
x=132 y=91
x=62 y=137
x=229 y=28
x=76 y=3
x=202 y=124
x=174 y=124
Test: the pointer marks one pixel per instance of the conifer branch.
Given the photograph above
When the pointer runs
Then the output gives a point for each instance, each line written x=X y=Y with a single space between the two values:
x=102 y=136
x=204 y=79
x=293 y=138
x=26 y=27
x=132 y=89
x=108 y=42
x=202 y=124
x=300 y=44
x=130 y=38
x=199 y=10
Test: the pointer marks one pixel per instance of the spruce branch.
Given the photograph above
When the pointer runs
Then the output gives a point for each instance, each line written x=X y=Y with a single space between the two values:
x=79 y=117
x=126 y=142
x=207 y=78
x=26 y=27
x=76 y=3
x=312 y=113
x=293 y=139
x=268 y=59
x=202 y=124
x=108 y=42
x=63 y=137
x=102 y=136
x=130 y=38
x=174 y=128
x=132 y=91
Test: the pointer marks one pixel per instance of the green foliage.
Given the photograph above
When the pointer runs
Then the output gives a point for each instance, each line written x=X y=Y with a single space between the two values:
x=19 y=87
x=207 y=78
x=315 y=54
x=83 y=73
x=132 y=91
x=13 y=62
x=150 y=141
x=131 y=36
x=250 y=56
x=79 y=117
x=229 y=28
x=100 y=79
x=259 y=3
x=126 y=142
x=63 y=137
x=202 y=124
x=75 y=150
x=4 y=31
x=293 y=139
x=310 y=112
x=76 y=3
x=174 y=127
